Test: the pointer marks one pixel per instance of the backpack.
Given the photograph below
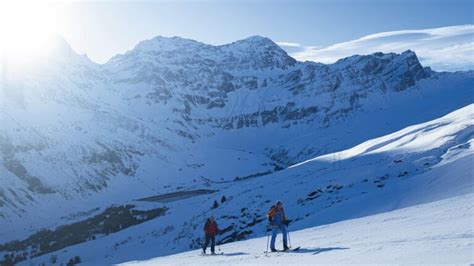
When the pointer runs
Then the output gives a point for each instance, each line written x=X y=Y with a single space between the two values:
x=271 y=213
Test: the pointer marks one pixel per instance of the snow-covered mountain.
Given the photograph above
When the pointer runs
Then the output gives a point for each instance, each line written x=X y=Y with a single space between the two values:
x=174 y=115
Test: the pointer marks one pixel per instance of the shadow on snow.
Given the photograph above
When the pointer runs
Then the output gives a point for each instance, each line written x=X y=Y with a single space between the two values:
x=235 y=254
x=316 y=251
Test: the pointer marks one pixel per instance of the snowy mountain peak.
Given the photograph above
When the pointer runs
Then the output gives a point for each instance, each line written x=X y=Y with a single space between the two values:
x=407 y=55
x=255 y=40
x=161 y=44
x=51 y=51
x=61 y=46
x=61 y=50
x=253 y=53
x=404 y=67
x=257 y=52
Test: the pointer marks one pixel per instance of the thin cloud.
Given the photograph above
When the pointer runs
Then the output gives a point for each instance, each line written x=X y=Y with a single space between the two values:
x=288 y=44
x=443 y=49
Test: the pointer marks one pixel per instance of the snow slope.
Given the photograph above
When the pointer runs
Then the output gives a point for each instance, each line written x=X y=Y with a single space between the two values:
x=439 y=232
x=423 y=163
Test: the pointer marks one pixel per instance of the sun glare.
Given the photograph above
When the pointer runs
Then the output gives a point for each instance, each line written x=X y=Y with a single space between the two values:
x=25 y=30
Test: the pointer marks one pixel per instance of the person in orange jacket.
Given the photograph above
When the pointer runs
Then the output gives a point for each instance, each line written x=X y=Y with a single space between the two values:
x=276 y=217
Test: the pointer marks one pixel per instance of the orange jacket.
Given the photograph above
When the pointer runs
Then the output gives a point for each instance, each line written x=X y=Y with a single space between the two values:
x=276 y=215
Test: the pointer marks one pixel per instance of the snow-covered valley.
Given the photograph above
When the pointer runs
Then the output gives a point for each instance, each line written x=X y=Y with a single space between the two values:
x=124 y=161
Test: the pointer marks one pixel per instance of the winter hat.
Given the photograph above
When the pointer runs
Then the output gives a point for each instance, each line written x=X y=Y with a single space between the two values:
x=278 y=202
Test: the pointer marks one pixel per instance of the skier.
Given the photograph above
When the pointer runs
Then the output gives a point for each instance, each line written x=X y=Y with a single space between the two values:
x=210 y=231
x=276 y=217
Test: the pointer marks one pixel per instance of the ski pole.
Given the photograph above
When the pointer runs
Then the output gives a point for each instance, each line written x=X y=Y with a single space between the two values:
x=268 y=240
x=288 y=233
x=219 y=242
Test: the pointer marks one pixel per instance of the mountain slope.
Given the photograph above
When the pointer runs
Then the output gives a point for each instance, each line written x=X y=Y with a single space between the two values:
x=398 y=237
x=422 y=163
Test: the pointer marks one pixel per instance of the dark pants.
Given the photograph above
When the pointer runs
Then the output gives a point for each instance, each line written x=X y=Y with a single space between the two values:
x=211 y=238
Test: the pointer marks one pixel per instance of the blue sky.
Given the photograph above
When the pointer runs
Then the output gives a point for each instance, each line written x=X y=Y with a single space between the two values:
x=104 y=28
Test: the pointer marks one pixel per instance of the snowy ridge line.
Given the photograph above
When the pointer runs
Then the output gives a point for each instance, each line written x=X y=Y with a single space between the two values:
x=383 y=144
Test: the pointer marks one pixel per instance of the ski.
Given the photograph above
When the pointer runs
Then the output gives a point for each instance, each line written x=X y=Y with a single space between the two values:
x=290 y=249
x=283 y=251
x=205 y=254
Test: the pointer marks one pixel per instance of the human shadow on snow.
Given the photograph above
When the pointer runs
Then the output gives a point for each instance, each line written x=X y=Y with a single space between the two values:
x=318 y=250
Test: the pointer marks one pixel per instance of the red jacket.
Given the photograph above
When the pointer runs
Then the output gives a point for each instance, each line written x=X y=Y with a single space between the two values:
x=210 y=228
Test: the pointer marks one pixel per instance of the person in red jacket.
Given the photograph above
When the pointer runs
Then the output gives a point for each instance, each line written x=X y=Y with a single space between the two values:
x=210 y=232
